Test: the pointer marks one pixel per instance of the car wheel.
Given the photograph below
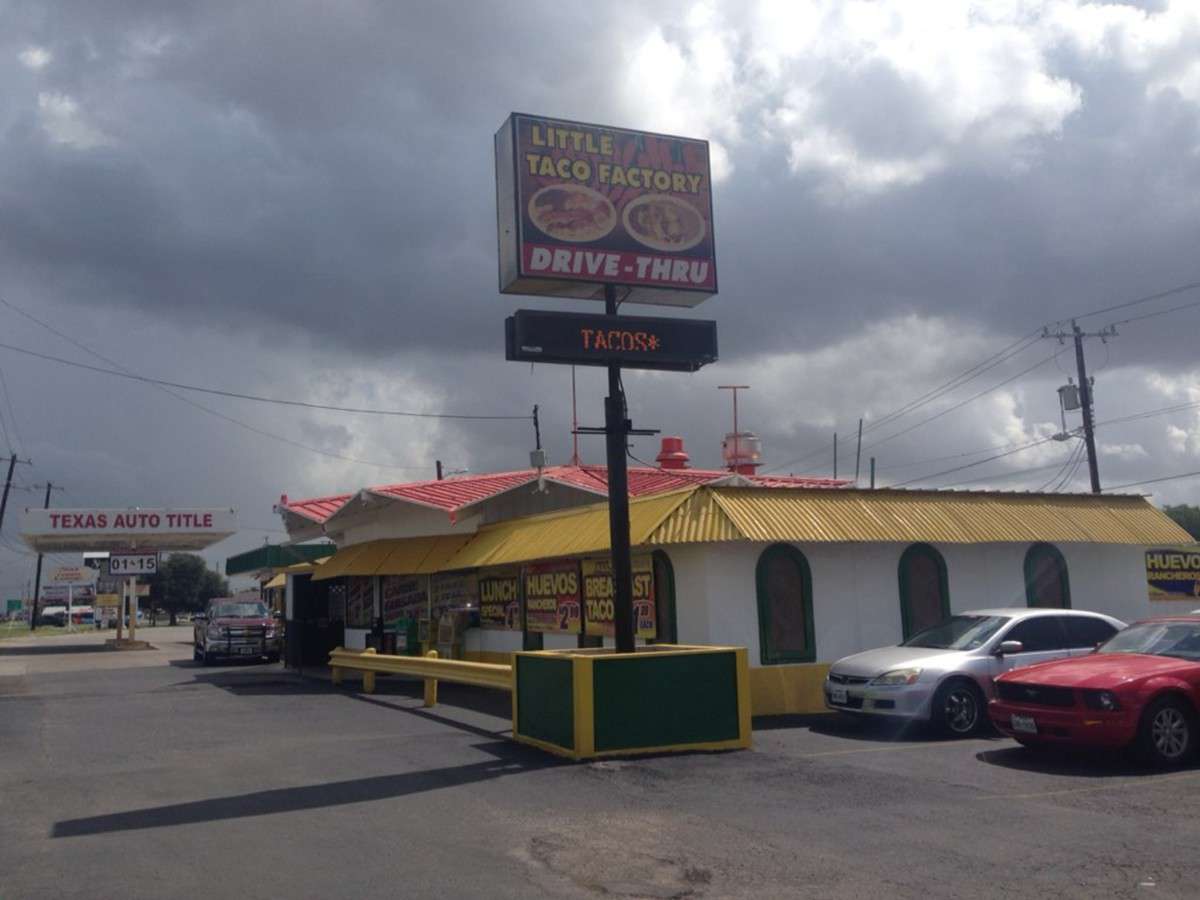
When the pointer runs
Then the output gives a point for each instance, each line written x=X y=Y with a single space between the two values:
x=206 y=658
x=958 y=708
x=1167 y=734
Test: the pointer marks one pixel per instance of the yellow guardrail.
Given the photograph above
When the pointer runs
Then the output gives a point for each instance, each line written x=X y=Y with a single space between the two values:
x=428 y=667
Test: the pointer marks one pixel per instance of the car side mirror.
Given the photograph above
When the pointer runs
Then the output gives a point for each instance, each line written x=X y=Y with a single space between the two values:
x=1007 y=647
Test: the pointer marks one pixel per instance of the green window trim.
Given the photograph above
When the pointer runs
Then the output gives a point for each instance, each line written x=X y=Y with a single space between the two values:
x=1033 y=556
x=665 y=594
x=910 y=553
x=768 y=655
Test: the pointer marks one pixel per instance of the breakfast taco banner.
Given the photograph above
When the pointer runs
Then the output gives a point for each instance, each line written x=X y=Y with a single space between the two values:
x=500 y=599
x=552 y=596
x=598 y=205
x=1173 y=574
x=598 y=596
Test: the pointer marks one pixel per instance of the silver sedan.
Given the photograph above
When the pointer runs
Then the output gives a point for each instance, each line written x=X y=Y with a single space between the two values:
x=943 y=675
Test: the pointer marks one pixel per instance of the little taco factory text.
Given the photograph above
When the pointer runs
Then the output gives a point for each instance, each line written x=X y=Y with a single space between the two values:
x=627 y=207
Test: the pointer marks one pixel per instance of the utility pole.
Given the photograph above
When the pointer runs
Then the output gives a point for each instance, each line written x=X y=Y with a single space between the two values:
x=439 y=469
x=37 y=579
x=835 y=454
x=12 y=464
x=858 y=452
x=1085 y=390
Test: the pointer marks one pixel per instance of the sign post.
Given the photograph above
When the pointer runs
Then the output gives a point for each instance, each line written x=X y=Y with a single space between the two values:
x=585 y=211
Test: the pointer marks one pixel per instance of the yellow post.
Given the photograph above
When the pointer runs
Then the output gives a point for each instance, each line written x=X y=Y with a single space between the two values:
x=368 y=682
x=431 y=683
x=335 y=673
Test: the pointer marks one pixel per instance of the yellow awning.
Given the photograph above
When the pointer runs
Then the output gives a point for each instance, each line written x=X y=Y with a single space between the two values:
x=397 y=556
x=278 y=581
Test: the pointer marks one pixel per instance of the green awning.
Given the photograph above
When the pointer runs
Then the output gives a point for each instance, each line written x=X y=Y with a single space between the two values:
x=276 y=556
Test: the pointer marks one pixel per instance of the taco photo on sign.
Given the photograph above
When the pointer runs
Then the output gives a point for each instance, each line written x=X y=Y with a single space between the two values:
x=663 y=222
x=572 y=212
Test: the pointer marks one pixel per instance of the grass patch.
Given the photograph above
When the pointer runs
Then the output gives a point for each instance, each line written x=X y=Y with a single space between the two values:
x=21 y=630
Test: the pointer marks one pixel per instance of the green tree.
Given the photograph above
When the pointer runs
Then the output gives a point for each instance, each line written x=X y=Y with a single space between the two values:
x=184 y=583
x=1186 y=517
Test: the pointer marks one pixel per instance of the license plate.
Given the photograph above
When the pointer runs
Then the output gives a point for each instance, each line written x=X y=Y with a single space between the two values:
x=837 y=695
x=247 y=651
x=1023 y=724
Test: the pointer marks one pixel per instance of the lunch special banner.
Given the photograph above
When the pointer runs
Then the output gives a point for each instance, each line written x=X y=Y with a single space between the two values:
x=552 y=596
x=404 y=597
x=500 y=599
x=1173 y=573
x=605 y=205
x=598 y=593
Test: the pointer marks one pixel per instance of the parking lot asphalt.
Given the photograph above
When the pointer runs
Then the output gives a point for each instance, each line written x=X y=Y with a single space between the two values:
x=169 y=779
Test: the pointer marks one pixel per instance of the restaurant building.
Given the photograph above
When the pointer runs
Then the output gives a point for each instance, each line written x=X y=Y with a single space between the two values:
x=801 y=571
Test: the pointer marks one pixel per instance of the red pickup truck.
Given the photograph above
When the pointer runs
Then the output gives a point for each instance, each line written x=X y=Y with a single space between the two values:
x=231 y=628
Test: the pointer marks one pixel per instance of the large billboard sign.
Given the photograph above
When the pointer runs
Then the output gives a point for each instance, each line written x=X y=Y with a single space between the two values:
x=633 y=342
x=598 y=594
x=78 y=530
x=1173 y=573
x=580 y=206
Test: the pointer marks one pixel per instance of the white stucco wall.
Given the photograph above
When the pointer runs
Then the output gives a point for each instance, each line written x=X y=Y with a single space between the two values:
x=856 y=595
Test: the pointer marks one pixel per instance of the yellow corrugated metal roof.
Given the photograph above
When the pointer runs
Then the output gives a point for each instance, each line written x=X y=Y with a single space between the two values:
x=709 y=514
x=904 y=516
x=567 y=533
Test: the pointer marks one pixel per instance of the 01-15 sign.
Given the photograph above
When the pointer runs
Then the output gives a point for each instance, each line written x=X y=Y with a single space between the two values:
x=634 y=342
x=132 y=563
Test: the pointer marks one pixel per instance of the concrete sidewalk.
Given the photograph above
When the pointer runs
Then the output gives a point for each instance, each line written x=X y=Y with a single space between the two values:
x=84 y=649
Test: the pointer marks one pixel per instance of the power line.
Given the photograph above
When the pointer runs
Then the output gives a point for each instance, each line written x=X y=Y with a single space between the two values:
x=1169 y=292
x=1152 y=480
x=961 y=403
x=990 y=362
x=209 y=410
x=12 y=416
x=235 y=395
x=1160 y=312
x=1004 y=475
x=980 y=462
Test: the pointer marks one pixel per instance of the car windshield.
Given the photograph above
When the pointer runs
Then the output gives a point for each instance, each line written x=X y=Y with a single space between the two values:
x=245 y=610
x=1178 y=639
x=958 y=633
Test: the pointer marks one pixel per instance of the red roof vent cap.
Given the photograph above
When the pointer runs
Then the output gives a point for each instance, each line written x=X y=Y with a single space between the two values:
x=672 y=455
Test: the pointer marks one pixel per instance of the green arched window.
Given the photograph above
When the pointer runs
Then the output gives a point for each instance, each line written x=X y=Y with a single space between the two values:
x=1046 y=581
x=667 y=630
x=924 y=589
x=785 y=620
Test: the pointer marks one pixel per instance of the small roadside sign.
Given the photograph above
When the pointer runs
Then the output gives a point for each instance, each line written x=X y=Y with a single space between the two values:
x=132 y=563
x=73 y=575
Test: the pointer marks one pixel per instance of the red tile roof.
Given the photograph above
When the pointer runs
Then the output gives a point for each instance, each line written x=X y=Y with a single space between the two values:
x=457 y=492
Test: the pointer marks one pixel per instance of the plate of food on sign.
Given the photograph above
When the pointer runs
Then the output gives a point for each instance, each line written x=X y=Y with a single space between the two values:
x=572 y=212
x=664 y=222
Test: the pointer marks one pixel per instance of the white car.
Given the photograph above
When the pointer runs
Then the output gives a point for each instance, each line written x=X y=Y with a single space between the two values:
x=943 y=675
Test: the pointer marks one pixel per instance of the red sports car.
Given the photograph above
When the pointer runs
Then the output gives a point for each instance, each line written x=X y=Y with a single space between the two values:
x=1141 y=688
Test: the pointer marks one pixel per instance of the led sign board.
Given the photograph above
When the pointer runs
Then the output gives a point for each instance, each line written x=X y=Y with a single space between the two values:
x=580 y=206
x=634 y=342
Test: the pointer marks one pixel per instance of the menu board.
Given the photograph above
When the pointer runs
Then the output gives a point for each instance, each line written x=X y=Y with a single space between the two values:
x=552 y=597
x=500 y=599
x=360 y=601
x=404 y=597
x=598 y=594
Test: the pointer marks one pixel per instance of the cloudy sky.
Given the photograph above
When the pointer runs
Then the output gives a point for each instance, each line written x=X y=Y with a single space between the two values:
x=296 y=200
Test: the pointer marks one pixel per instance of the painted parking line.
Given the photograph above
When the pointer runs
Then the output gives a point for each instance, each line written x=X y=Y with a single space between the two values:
x=959 y=745
x=1100 y=788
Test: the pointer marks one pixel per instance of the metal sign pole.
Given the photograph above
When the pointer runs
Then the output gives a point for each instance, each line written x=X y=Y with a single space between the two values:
x=616 y=428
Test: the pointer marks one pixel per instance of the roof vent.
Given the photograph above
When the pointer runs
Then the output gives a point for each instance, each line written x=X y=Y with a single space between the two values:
x=741 y=451
x=672 y=455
